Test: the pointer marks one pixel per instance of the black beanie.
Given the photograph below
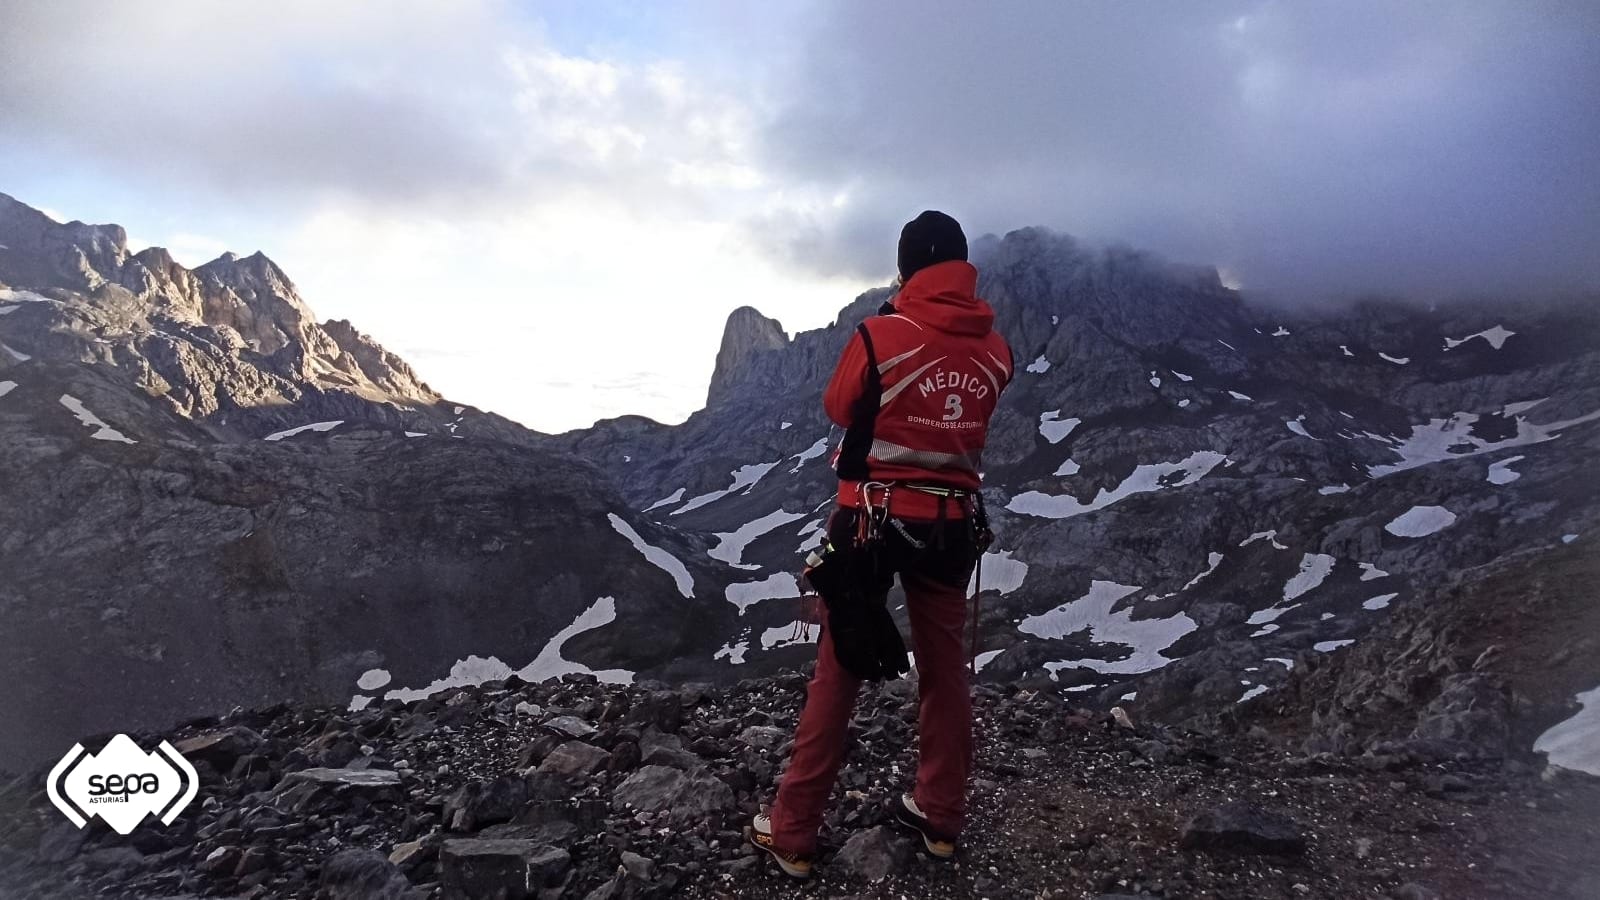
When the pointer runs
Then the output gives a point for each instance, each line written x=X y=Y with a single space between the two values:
x=932 y=237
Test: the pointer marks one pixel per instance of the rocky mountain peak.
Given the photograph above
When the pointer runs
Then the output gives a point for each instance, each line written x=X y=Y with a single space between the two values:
x=746 y=334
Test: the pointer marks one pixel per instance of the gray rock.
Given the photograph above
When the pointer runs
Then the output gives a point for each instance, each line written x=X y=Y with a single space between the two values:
x=576 y=759
x=220 y=748
x=472 y=868
x=362 y=875
x=570 y=726
x=309 y=788
x=763 y=737
x=873 y=854
x=479 y=803
x=1243 y=826
x=689 y=796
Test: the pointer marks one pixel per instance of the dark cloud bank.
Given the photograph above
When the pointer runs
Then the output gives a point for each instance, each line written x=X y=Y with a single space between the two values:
x=1312 y=149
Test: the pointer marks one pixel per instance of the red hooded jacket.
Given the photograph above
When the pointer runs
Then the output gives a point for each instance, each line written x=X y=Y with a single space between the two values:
x=942 y=367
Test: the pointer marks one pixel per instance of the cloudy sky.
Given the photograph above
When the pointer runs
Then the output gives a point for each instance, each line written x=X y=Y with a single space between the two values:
x=550 y=208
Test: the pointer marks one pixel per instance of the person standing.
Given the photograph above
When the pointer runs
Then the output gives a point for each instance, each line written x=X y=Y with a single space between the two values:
x=915 y=389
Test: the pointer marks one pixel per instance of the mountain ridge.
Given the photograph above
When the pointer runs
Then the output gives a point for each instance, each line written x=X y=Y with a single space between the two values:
x=1171 y=464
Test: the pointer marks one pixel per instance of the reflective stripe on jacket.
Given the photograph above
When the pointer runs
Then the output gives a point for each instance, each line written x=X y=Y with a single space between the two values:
x=942 y=367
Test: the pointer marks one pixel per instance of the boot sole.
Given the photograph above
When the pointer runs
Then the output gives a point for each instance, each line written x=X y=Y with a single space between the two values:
x=788 y=868
x=903 y=816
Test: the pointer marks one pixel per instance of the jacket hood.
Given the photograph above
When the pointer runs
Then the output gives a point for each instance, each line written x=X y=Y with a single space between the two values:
x=944 y=295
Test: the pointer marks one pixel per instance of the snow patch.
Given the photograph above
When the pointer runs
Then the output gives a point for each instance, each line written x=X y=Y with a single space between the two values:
x=1038 y=366
x=1269 y=536
x=1055 y=428
x=475 y=670
x=550 y=664
x=1281 y=332
x=1180 y=376
x=1238 y=396
x=103 y=432
x=1314 y=569
x=1496 y=338
x=1270 y=614
x=9 y=295
x=1575 y=742
x=668 y=500
x=314 y=426
x=796 y=632
x=811 y=534
x=7 y=387
x=1000 y=573
x=774 y=587
x=730 y=544
x=1370 y=572
x=372 y=679
x=1155 y=380
x=810 y=453
x=785 y=426
x=1500 y=472
x=1441 y=440
x=1521 y=406
x=20 y=356
x=1298 y=427
x=416 y=434
x=744 y=478
x=1397 y=360
x=1146 y=639
x=1144 y=479
x=1213 y=560
x=1345 y=350
x=1379 y=602
x=984 y=658
x=656 y=556
x=1421 y=521
x=1330 y=646
x=1067 y=467
x=1253 y=693
x=1568 y=538
x=1226 y=344
x=1333 y=489
x=734 y=653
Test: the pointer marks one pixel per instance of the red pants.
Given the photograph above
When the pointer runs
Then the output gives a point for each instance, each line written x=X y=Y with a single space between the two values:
x=944 y=727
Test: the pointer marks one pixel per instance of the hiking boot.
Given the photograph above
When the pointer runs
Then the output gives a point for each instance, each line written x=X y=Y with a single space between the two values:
x=938 y=843
x=759 y=834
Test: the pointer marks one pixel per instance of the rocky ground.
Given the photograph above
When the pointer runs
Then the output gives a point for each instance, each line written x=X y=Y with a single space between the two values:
x=576 y=789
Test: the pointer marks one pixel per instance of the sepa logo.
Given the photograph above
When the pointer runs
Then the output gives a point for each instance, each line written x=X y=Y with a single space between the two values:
x=122 y=784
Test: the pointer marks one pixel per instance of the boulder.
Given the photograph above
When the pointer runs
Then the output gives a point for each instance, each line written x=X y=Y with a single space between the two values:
x=472 y=868
x=220 y=749
x=575 y=759
x=1243 y=826
x=480 y=803
x=689 y=796
x=362 y=875
x=874 y=854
